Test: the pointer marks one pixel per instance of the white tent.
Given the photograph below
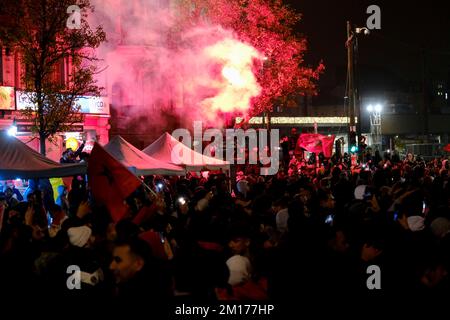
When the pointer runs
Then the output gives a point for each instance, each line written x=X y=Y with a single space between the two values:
x=17 y=160
x=137 y=161
x=170 y=150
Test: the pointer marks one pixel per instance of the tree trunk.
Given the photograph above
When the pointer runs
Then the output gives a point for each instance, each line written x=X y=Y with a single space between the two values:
x=42 y=139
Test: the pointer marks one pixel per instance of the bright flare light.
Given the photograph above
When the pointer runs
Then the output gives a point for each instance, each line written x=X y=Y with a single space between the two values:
x=238 y=84
x=378 y=108
x=370 y=108
x=233 y=76
x=12 y=131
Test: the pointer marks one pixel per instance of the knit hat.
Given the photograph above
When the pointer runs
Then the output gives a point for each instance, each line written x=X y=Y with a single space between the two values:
x=240 y=269
x=360 y=191
x=416 y=223
x=440 y=227
x=79 y=236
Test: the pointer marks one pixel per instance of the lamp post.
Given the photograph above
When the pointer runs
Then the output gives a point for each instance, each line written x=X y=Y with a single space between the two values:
x=375 y=124
x=352 y=93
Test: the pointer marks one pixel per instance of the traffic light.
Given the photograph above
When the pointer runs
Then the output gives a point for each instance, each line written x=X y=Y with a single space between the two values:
x=362 y=143
x=352 y=142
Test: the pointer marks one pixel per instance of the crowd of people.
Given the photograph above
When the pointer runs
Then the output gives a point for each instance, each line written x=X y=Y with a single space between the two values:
x=312 y=229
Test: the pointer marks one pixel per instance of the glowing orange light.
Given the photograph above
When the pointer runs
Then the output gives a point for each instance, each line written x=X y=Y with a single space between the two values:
x=238 y=85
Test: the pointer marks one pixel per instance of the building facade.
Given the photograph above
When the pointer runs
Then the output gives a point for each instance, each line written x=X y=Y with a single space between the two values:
x=94 y=127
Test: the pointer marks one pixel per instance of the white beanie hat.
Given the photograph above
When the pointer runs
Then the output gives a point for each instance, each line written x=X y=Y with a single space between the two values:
x=79 y=236
x=360 y=191
x=240 y=269
x=440 y=227
x=416 y=223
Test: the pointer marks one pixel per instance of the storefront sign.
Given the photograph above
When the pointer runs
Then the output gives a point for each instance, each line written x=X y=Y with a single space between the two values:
x=92 y=105
x=96 y=105
x=7 y=98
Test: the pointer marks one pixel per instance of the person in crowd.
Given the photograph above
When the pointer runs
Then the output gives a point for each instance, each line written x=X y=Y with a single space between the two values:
x=11 y=199
x=137 y=275
x=280 y=208
x=307 y=230
x=16 y=192
x=62 y=199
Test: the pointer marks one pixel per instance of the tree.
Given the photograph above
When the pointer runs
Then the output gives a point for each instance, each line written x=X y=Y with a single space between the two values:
x=267 y=25
x=37 y=30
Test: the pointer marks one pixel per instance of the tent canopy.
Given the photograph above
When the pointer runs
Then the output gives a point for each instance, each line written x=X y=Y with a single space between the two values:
x=137 y=161
x=17 y=160
x=168 y=149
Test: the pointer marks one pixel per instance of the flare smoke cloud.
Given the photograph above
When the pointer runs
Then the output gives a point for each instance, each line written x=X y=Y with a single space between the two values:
x=207 y=72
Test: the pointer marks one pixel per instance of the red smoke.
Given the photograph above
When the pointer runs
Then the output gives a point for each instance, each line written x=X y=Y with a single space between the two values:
x=206 y=73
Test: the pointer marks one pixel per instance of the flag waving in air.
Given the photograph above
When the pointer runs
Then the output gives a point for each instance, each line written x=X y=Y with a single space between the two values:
x=314 y=142
x=110 y=181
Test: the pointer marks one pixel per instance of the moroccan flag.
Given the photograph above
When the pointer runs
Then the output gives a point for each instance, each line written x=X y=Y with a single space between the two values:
x=310 y=142
x=314 y=142
x=447 y=148
x=327 y=146
x=110 y=181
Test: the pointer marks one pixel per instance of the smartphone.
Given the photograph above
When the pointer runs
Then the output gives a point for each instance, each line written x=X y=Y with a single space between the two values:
x=395 y=216
x=329 y=219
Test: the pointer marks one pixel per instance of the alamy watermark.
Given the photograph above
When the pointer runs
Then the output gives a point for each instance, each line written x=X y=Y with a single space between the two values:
x=74 y=20
x=374 y=20
x=261 y=147
x=374 y=280
x=74 y=280
x=77 y=277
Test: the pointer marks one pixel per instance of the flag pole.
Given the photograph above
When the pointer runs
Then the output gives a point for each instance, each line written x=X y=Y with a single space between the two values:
x=149 y=189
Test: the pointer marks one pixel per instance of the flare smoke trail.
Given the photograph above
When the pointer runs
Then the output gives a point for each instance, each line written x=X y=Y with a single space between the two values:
x=206 y=72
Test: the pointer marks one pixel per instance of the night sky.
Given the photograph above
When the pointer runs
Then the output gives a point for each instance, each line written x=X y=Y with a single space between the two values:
x=391 y=57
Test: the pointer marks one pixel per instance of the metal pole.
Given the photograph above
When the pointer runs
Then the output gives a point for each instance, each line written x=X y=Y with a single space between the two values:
x=357 y=102
x=350 y=88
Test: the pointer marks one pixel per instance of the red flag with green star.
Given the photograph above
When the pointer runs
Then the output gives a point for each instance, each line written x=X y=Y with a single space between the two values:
x=110 y=181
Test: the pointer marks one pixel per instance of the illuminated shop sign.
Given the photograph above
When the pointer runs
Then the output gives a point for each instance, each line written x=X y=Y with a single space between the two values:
x=92 y=105
x=7 y=98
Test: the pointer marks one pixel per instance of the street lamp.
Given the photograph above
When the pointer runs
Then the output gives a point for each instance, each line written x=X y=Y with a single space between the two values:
x=362 y=30
x=375 y=123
